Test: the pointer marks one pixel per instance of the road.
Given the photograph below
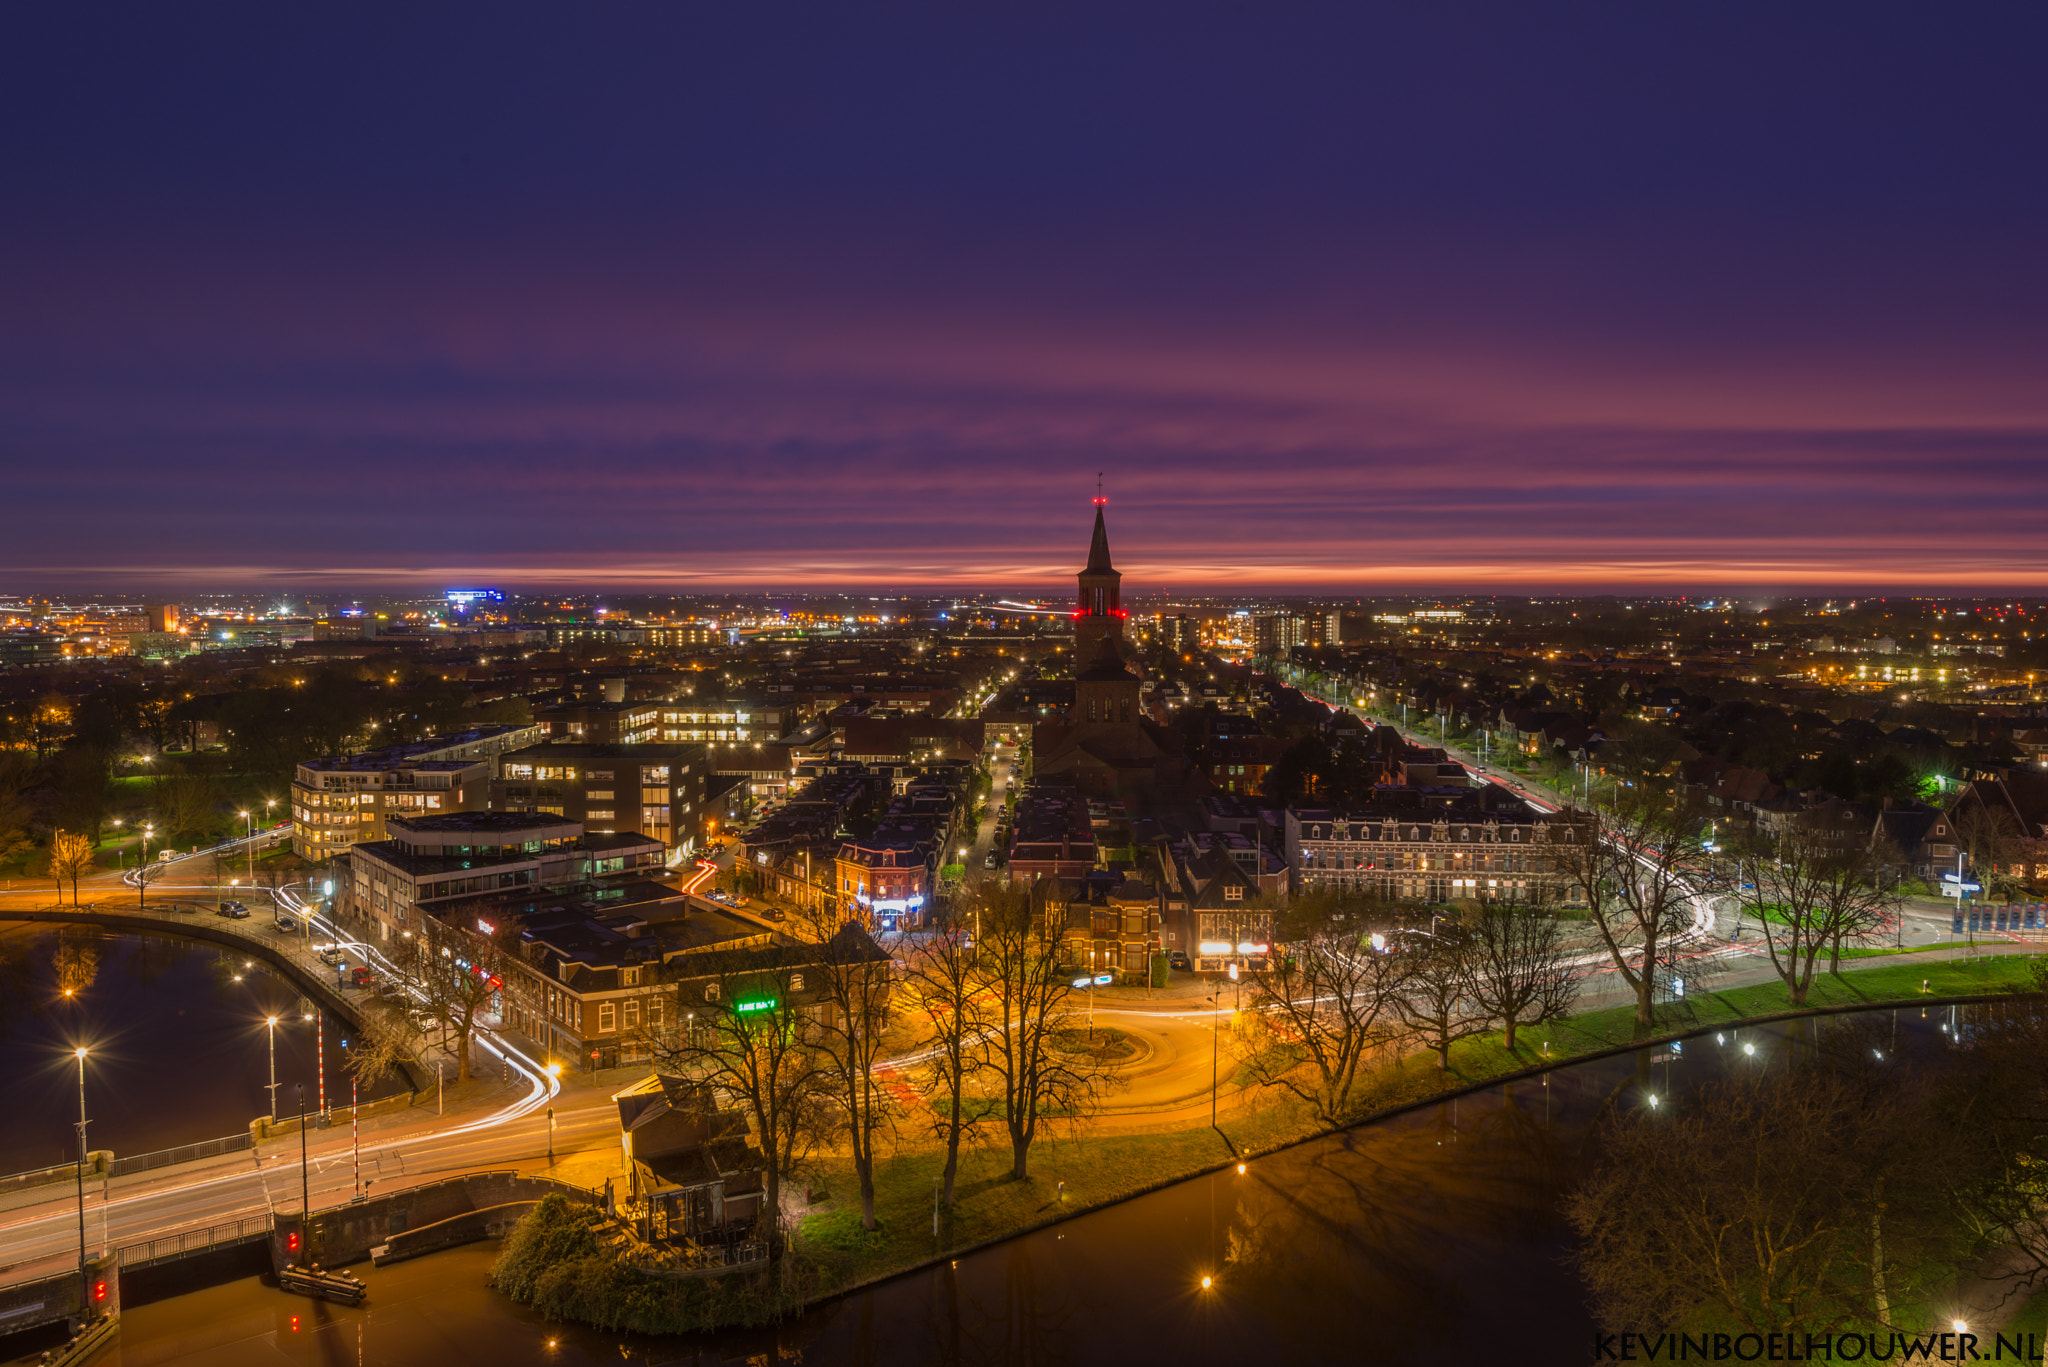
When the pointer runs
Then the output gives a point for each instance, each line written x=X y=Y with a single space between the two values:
x=511 y=1132
x=1168 y=1086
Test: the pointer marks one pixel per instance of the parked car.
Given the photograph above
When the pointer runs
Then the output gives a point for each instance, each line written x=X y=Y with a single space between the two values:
x=233 y=910
x=333 y=956
x=1178 y=958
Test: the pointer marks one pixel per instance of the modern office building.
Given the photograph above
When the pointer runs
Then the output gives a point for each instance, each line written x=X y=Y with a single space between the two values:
x=657 y=791
x=433 y=864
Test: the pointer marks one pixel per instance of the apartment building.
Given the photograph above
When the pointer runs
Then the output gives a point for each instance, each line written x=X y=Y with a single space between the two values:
x=344 y=800
x=434 y=864
x=613 y=722
x=658 y=791
x=727 y=721
x=1416 y=853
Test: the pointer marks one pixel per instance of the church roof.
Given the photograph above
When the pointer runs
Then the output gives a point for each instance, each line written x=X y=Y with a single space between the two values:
x=1098 y=549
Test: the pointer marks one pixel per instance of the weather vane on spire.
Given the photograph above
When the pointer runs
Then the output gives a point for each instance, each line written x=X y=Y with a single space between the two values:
x=1099 y=499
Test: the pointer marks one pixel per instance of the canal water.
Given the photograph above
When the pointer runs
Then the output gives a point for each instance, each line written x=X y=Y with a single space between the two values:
x=178 y=1046
x=1432 y=1237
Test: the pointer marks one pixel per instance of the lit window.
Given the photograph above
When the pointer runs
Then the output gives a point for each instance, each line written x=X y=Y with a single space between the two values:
x=606 y=1017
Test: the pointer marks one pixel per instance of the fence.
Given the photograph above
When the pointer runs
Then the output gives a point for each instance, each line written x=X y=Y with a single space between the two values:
x=193 y=1241
x=184 y=1153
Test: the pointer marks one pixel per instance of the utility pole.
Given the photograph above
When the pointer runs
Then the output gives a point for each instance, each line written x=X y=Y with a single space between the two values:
x=1215 y=1050
x=305 y=1177
x=84 y=1282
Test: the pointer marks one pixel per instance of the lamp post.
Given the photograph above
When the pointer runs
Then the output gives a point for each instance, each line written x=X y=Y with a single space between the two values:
x=554 y=1071
x=142 y=862
x=1215 y=1047
x=84 y=1285
x=271 y=1021
x=249 y=824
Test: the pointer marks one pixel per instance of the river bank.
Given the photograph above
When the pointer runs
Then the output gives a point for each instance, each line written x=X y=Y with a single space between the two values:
x=1077 y=1172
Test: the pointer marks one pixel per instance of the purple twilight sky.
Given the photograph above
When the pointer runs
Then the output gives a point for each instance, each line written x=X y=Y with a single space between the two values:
x=1357 y=297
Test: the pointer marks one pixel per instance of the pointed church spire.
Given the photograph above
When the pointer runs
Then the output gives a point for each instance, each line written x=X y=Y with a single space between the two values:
x=1098 y=549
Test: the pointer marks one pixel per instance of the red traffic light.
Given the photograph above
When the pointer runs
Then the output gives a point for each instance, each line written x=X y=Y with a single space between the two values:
x=295 y=1324
x=291 y=1242
x=99 y=1291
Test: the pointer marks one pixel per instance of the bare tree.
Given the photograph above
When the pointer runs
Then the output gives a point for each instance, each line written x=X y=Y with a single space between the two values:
x=453 y=975
x=1992 y=840
x=70 y=857
x=939 y=972
x=1440 y=1002
x=1808 y=893
x=147 y=872
x=186 y=804
x=1639 y=860
x=1774 y=1198
x=739 y=1026
x=1522 y=967
x=1994 y=1110
x=388 y=1035
x=853 y=986
x=1025 y=986
x=1323 y=1002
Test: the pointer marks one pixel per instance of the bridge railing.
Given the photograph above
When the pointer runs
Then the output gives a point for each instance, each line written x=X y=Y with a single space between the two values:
x=191 y=1241
x=183 y=1153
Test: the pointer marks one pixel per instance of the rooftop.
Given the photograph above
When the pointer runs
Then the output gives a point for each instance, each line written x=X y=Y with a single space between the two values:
x=483 y=823
x=413 y=754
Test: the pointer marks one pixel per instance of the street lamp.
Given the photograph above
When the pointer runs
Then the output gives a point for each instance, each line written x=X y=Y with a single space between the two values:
x=141 y=862
x=271 y=1021
x=250 y=824
x=84 y=1286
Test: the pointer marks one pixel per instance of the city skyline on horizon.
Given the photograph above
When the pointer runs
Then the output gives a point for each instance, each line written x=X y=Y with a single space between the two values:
x=1342 y=303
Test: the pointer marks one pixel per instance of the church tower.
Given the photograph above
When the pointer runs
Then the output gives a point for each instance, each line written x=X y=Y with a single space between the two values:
x=1101 y=612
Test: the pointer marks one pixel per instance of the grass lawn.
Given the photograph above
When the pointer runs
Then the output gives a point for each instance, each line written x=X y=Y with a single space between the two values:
x=1099 y=1169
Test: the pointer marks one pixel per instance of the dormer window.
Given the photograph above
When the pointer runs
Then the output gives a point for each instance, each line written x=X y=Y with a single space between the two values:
x=711 y=992
x=1233 y=894
x=629 y=977
x=796 y=982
